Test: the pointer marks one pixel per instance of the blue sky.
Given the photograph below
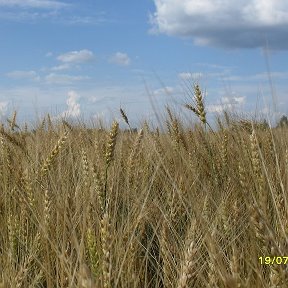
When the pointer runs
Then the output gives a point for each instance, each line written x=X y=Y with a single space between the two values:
x=87 y=58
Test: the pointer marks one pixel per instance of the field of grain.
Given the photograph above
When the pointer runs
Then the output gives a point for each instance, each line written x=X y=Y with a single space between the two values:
x=176 y=208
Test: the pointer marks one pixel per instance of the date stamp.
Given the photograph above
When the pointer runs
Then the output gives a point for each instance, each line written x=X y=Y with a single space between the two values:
x=273 y=260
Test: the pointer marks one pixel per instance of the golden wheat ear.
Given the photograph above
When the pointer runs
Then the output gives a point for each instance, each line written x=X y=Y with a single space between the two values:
x=12 y=122
x=199 y=110
x=111 y=142
x=200 y=104
x=110 y=147
x=49 y=160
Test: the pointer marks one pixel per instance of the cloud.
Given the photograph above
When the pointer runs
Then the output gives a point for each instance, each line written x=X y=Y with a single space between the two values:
x=163 y=91
x=49 y=54
x=61 y=67
x=43 y=4
x=73 y=107
x=19 y=74
x=227 y=103
x=224 y=23
x=233 y=100
x=72 y=59
x=25 y=15
x=94 y=19
x=54 y=78
x=190 y=76
x=121 y=59
x=217 y=108
x=3 y=108
x=264 y=76
x=75 y=57
x=274 y=75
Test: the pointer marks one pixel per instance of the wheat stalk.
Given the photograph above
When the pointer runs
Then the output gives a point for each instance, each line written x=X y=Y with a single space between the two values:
x=235 y=268
x=99 y=189
x=166 y=254
x=106 y=249
x=132 y=157
x=256 y=163
x=224 y=149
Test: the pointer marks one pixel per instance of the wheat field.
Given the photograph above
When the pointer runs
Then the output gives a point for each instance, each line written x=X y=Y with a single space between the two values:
x=175 y=208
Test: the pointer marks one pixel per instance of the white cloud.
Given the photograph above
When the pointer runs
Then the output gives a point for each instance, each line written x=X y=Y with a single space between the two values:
x=21 y=74
x=120 y=59
x=25 y=15
x=3 y=108
x=274 y=75
x=218 y=108
x=190 y=76
x=73 y=107
x=264 y=76
x=227 y=103
x=54 y=78
x=96 y=18
x=233 y=100
x=72 y=59
x=61 y=67
x=224 y=23
x=34 y=4
x=163 y=91
x=75 y=57
x=233 y=78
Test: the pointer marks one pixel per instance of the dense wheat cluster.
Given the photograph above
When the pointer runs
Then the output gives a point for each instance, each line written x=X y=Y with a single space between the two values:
x=156 y=208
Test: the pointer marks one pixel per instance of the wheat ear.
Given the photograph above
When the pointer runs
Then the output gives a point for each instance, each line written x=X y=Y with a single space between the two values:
x=200 y=109
x=85 y=167
x=111 y=143
x=92 y=251
x=188 y=264
x=49 y=160
x=200 y=104
x=125 y=118
x=12 y=122
x=110 y=153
